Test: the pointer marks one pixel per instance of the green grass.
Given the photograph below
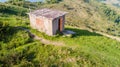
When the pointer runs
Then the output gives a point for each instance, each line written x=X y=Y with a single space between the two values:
x=84 y=49
x=13 y=20
x=12 y=9
x=92 y=49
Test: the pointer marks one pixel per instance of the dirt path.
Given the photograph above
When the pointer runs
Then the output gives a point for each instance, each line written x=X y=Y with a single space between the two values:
x=42 y=40
x=109 y=36
x=48 y=42
x=104 y=34
x=45 y=41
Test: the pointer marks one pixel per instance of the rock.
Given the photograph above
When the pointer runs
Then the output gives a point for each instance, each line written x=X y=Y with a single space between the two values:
x=68 y=33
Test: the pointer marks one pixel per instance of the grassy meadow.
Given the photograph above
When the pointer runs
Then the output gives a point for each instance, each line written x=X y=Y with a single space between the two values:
x=92 y=48
x=83 y=49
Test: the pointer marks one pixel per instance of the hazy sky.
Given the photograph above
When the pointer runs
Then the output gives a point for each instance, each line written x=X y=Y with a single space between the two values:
x=2 y=0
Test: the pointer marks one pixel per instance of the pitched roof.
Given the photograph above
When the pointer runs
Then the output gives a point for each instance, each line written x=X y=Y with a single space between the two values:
x=48 y=13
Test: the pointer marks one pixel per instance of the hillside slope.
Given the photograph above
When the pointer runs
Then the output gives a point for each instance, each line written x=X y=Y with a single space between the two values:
x=111 y=2
x=90 y=14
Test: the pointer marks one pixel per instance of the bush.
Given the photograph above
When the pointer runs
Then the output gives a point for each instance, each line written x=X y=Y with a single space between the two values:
x=4 y=28
x=111 y=14
x=11 y=9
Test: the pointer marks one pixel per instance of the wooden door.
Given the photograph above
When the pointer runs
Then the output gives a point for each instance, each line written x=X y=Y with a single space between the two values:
x=60 y=24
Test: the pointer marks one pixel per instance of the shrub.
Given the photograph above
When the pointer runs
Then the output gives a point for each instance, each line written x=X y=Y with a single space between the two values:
x=11 y=9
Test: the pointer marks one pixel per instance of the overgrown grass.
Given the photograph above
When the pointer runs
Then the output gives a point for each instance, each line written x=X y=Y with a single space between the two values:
x=12 y=10
x=13 y=20
x=82 y=49
x=89 y=49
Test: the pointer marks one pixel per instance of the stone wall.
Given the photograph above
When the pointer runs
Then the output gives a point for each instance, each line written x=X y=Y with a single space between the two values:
x=48 y=26
x=42 y=24
x=32 y=21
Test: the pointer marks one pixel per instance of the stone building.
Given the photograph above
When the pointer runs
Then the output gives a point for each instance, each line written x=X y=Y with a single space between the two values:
x=47 y=20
